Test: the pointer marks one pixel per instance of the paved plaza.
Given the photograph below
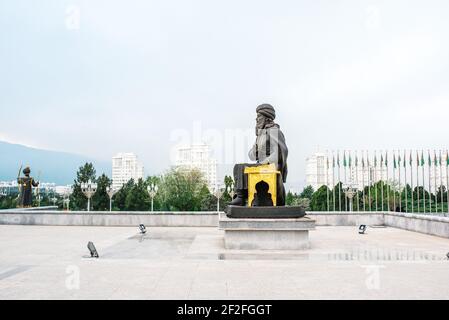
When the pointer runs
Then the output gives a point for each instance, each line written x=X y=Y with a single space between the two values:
x=49 y=262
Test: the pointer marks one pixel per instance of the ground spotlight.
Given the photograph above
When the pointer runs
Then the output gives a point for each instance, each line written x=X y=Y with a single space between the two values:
x=92 y=249
x=362 y=229
x=142 y=228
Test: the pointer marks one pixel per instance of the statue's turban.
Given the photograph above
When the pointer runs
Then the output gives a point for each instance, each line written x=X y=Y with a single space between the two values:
x=26 y=170
x=266 y=110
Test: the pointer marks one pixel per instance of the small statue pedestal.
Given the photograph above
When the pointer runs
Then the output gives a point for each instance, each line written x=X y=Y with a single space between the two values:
x=266 y=233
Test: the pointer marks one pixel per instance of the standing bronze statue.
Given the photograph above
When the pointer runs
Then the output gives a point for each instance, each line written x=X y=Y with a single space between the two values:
x=269 y=148
x=25 y=186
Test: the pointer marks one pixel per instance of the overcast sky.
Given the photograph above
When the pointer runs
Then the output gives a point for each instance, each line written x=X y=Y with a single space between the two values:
x=99 y=77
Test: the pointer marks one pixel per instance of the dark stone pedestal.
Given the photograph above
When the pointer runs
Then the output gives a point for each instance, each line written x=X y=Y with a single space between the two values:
x=265 y=212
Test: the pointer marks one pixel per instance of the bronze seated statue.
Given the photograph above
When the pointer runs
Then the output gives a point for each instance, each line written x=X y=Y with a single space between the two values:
x=259 y=187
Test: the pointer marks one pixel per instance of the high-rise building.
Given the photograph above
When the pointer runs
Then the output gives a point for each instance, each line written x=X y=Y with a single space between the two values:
x=320 y=171
x=317 y=174
x=438 y=178
x=198 y=156
x=125 y=166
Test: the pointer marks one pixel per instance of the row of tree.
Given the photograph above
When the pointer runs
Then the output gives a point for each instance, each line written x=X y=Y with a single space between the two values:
x=380 y=196
x=43 y=199
x=178 y=190
x=187 y=190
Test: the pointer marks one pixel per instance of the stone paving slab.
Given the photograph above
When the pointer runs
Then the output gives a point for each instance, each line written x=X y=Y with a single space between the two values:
x=43 y=262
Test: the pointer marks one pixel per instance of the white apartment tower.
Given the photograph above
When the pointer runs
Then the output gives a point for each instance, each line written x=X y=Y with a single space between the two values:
x=317 y=174
x=125 y=167
x=322 y=169
x=198 y=156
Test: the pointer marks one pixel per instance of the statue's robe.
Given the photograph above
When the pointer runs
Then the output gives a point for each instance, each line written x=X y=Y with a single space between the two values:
x=26 y=184
x=270 y=147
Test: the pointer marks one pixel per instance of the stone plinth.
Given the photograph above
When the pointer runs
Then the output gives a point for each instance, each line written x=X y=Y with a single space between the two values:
x=266 y=234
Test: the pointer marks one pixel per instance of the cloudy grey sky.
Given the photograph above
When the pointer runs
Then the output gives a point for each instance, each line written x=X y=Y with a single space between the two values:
x=136 y=75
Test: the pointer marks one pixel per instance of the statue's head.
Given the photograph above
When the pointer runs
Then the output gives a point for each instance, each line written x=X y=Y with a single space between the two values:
x=27 y=171
x=265 y=114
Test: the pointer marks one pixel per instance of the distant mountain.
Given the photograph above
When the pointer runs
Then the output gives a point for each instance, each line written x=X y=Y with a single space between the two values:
x=57 y=167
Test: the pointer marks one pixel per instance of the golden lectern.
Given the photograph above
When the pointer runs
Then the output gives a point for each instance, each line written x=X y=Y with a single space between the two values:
x=265 y=172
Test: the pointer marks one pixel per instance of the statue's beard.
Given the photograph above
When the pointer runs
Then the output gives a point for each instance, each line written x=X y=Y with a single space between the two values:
x=259 y=127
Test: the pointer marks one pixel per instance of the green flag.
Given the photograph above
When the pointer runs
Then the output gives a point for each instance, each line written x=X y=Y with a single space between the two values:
x=417 y=158
x=386 y=158
x=375 y=160
x=356 y=160
x=399 y=159
x=394 y=160
x=447 y=158
x=363 y=161
x=344 y=159
x=430 y=160
x=435 y=158
x=338 y=159
x=411 y=158
x=423 y=162
x=405 y=159
x=350 y=160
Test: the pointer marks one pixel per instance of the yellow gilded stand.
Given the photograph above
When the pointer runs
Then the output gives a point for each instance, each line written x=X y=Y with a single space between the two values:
x=266 y=173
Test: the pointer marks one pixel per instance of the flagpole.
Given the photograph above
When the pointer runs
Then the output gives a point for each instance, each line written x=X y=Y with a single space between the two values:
x=333 y=178
x=441 y=185
x=405 y=178
x=388 y=183
x=447 y=180
x=394 y=181
x=417 y=178
x=411 y=179
x=363 y=181
x=430 y=182
x=346 y=181
x=369 y=180
x=327 y=178
x=400 y=190
x=435 y=179
x=339 y=181
x=375 y=179
x=423 y=181
x=382 y=179
x=357 y=179
x=351 y=203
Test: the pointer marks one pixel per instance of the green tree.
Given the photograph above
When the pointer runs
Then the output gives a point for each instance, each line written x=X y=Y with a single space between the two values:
x=8 y=201
x=301 y=202
x=100 y=200
x=157 y=200
x=138 y=198
x=119 y=202
x=289 y=198
x=182 y=190
x=307 y=193
x=319 y=199
x=78 y=200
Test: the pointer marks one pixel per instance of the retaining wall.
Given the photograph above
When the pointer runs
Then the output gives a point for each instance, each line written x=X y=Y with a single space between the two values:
x=433 y=225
